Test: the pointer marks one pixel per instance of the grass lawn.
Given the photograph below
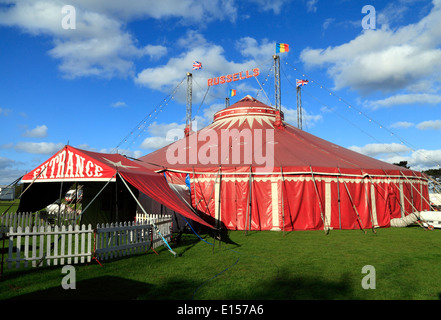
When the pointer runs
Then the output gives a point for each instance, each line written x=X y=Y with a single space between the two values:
x=257 y=266
x=9 y=206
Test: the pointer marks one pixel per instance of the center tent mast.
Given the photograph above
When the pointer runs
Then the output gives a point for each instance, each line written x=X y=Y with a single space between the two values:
x=284 y=47
x=189 y=103
x=299 y=107
x=277 y=89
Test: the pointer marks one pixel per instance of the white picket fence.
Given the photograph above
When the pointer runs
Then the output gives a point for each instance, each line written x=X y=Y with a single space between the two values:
x=52 y=245
x=164 y=224
x=29 y=219
x=46 y=245
x=118 y=240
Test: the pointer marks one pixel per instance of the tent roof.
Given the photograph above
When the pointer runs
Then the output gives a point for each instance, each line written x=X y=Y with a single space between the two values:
x=72 y=164
x=252 y=131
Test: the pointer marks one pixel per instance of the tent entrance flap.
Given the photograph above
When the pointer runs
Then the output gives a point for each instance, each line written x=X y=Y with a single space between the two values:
x=156 y=187
x=150 y=221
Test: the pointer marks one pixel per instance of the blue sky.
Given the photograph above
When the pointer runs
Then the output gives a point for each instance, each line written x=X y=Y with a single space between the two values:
x=376 y=91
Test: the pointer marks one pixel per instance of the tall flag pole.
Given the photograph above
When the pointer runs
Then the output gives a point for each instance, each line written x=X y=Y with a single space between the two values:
x=277 y=94
x=196 y=66
x=299 y=84
x=280 y=47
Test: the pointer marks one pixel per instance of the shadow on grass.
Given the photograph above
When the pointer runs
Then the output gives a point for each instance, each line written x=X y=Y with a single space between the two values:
x=115 y=288
x=100 y=288
x=301 y=288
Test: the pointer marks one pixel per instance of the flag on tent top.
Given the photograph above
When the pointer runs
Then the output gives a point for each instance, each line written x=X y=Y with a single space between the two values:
x=197 y=65
x=301 y=82
x=282 y=47
x=232 y=92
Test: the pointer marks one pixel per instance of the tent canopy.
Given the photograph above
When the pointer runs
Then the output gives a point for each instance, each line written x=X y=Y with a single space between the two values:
x=249 y=169
x=246 y=135
x=75 y=165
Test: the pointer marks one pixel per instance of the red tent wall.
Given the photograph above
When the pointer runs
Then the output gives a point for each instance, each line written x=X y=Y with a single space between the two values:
x=342 y=202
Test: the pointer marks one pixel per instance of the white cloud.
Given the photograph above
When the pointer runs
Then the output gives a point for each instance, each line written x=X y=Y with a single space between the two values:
x=375 y=149
x=38 y=147
x=308 y=120
x=327 y=23
x=249 y=47
x=154 y=143
x=418 y=160
x=430 y=125
x=119 y=104
x=104 y=50
x=311 y=5
x=162 y=135
x=5 y=112
x=215 y=63
x=425 y=159
x=8 y=171
x=402 y=124
x=190 y=11
x=384 y=59
x=100 y=45
x=392 y=13
x=404 y=99
x=211 y=110
x=37 y=132
x=268 y=5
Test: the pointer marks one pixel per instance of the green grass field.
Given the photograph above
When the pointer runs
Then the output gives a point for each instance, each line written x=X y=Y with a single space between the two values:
x=257 y=266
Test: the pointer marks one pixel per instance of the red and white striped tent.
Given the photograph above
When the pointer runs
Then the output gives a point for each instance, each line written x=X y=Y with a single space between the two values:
x=250 y=170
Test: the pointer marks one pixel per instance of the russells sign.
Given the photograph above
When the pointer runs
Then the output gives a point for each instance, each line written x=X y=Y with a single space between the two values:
x=233 y=77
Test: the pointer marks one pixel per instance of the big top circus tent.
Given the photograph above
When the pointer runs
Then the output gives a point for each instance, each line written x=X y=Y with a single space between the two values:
x=250 y=170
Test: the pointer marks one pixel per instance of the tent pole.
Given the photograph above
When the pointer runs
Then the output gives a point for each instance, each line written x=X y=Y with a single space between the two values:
x=251 y=198
x=59 y=205
x=116 y=199
x=96 y=196
x=61 y=187
x=235 y=194
x=283 y=202
x=320 y=202
x=194 y=188
x=248 y=215
x=150 y=221
x=353 y=205
x=219 y=223
x=339 y=204
x=366 y=190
